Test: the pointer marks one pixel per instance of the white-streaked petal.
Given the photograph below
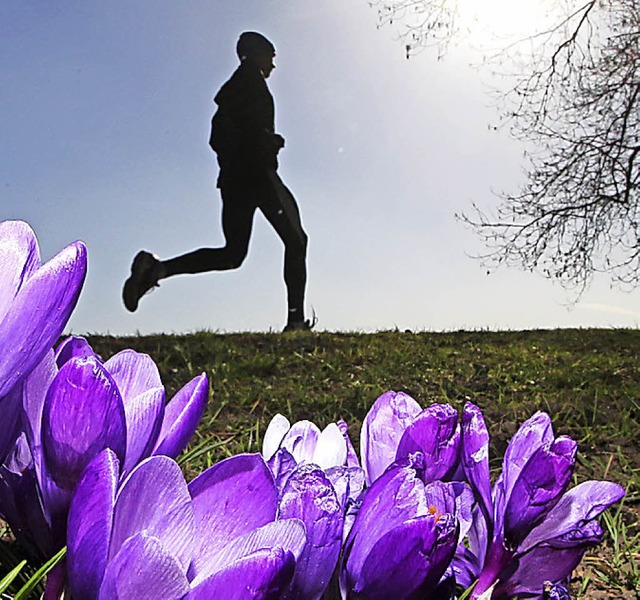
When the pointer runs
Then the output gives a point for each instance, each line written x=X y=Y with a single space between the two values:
x=331 y=449
x=276 y=430
x=144 y=568
x=382 y=429
x=144 y=415
x=133 y=372
x=301 y=440
x=19 y=259
x=36 y=316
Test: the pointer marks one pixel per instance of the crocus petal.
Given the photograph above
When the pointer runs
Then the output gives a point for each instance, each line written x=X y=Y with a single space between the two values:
x=447 y=535
x=434 y=432
x=231 y=498
x=331 y=449
x=400 y=562
x=466 y=566
x=546 y=563
x=288 y=534
x=11 y=422
x=182 y=416
x=352 y=457
x=133 y=372
x=56 y=581
x=382 y=429
x=73 y=347
x=144 y=414
x=143 y=568
x=19 y=259
x=38 y=314
x=475 y=456
x=395 y=497
x=55 y=501
x=263 y=575
x=587 y=535
x=90 y=523
x=276 y=430
x=348 y=483
x=35 y=392
x=541 y=482
x=310 y=497
x=21 y=508
x=578 y=506
x=154 y=498
x=478 y=536
x=282 y=464
x=301 y=440
x=452 y=497
x=83 y=414
x=19 y=458
x=533 y=433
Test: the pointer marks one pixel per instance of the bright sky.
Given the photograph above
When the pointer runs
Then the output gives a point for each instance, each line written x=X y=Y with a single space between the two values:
x=104 y=121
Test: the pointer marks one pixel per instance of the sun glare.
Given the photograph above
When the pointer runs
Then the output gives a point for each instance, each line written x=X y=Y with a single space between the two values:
x=503 y=19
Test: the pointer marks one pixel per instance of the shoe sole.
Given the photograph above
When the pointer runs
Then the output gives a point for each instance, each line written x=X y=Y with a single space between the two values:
x=130 y=298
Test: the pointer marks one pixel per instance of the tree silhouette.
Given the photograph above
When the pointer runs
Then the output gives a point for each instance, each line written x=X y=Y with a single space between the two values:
x=576 y=103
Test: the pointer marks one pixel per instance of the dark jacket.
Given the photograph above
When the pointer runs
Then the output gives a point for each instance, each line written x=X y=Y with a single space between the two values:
x=242 y=129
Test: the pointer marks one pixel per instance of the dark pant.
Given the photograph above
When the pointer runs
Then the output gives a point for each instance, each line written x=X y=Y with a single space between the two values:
x=240 y=199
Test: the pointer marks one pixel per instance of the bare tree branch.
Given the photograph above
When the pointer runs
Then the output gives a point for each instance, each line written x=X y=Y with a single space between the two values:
x=576 y=105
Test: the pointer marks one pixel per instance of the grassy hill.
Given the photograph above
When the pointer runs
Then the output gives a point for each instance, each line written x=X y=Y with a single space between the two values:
x=587 y=380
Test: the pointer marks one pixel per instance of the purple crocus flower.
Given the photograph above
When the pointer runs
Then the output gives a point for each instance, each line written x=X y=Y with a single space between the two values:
x=309 y=496
x=286 y=446
x=75 y=409
x=36 y=301
x=529 y=529
x=396 y=426
x=400 y=545
x=305 y=442
x=318 y=477
x=152 y=426
x=157 y=537
x=382 y=428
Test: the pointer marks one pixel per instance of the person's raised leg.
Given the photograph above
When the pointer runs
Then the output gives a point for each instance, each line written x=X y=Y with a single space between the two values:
x=237 y=220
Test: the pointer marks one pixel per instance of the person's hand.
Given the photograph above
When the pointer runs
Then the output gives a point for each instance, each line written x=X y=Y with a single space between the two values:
x=278 y=141
x=274 y=142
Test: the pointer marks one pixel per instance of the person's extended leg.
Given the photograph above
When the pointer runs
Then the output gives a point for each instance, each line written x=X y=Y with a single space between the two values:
x=281 y=210
x=237 y=221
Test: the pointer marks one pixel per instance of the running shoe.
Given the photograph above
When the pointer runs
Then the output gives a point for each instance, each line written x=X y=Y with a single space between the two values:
x=306 y=325
x=144 y=277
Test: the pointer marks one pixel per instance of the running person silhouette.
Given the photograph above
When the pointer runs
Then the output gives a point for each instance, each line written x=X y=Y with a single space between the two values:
x=244 y=140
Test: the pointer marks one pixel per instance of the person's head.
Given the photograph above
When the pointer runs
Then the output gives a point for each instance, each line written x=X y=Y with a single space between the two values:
x=253 y=46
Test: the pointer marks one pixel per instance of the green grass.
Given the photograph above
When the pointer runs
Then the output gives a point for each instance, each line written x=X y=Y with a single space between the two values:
x=588 y=380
